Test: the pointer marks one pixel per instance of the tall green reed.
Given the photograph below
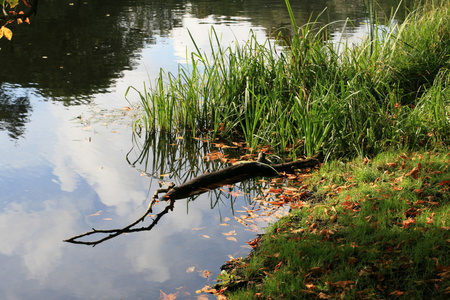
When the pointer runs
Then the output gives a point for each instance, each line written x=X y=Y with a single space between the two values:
x=347 y=99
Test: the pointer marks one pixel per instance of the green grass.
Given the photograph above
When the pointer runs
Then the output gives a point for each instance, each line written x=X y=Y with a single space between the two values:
x=380 y=230
x=389 y=91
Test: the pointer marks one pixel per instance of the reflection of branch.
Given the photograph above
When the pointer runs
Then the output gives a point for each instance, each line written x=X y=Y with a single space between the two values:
x=129 y=228
x=203 y=183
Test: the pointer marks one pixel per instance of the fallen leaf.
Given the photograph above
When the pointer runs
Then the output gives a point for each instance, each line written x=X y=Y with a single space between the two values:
x=96 y=214
x=343 y=284
x=204 y=273
x=190 y=269
x=240 y=221
x=232 y=239
x=198 y=228
x=207 y=289
x=254 y=242
x=214 y=155
x=163 y=296
x=408 y=222
x=414 y=172
x=232 y=232
x=396 y=293
x=310 y=286
x=205 y=236
x=322 y=295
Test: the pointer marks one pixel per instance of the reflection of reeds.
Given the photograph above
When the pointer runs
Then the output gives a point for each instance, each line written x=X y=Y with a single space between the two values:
x=158 y=153
x=389 y=91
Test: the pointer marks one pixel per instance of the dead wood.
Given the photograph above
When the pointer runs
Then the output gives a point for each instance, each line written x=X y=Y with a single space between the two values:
x=201 y=184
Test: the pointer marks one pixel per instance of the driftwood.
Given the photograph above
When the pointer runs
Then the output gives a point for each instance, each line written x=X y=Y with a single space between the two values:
x=198 y=185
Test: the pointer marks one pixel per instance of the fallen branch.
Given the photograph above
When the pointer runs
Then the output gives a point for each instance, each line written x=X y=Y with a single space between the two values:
x=201 y=184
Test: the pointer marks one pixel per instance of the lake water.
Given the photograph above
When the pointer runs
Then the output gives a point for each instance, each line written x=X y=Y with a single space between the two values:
x=70 y=161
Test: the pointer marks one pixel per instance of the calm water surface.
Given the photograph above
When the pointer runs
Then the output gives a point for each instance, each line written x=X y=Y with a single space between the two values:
x=69 y=160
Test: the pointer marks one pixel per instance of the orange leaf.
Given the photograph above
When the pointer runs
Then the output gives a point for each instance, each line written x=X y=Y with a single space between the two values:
x=274 y=190
x=204 y=273
x=241 y=221
x=208 y=289
x=254 y=243
x=396 y=293
x=205 y=236
x=408 y=222
x=445 y=182
x=310 y=286
x=232 y=239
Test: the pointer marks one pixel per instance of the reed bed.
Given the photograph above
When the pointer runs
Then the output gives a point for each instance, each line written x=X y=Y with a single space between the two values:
x=351 y=100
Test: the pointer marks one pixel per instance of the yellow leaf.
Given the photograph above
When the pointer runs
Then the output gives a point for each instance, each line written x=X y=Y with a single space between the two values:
x=205 y=236
x=6 y=32
x=232 y=239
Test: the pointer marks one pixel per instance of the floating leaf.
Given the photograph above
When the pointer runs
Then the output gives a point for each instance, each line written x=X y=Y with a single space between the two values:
x=204 y=273
x=198 y=228
x=205 y=236
x=163 y=296
x=96 y=214
x=232 y=232
x=190 y=269
x=240 y=221
x=232 y=239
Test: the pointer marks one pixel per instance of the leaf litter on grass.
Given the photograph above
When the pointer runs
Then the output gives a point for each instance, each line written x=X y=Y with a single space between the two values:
x=375 y=228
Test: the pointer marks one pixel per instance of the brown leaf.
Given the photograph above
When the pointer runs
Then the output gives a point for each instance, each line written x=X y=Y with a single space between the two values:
x=322 y=296
x=343 y=284
x=408 y=222
x=310 y=286
x=204 y=273
x=414 y=172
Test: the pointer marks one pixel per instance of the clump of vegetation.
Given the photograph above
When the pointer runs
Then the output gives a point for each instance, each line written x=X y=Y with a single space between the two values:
x=380 y=230
x=388 y=91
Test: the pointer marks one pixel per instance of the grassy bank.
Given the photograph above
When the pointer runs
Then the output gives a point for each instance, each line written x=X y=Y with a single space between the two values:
x=389 y=91
x=374 y=229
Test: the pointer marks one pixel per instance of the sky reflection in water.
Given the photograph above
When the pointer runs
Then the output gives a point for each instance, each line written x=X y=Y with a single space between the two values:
x=66 y=171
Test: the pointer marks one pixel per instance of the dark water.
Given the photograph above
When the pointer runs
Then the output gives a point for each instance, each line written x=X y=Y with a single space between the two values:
x=69 y=160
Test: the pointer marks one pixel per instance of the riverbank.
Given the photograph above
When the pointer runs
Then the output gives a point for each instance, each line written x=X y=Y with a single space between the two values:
x=373 y=229
x=373 y=220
